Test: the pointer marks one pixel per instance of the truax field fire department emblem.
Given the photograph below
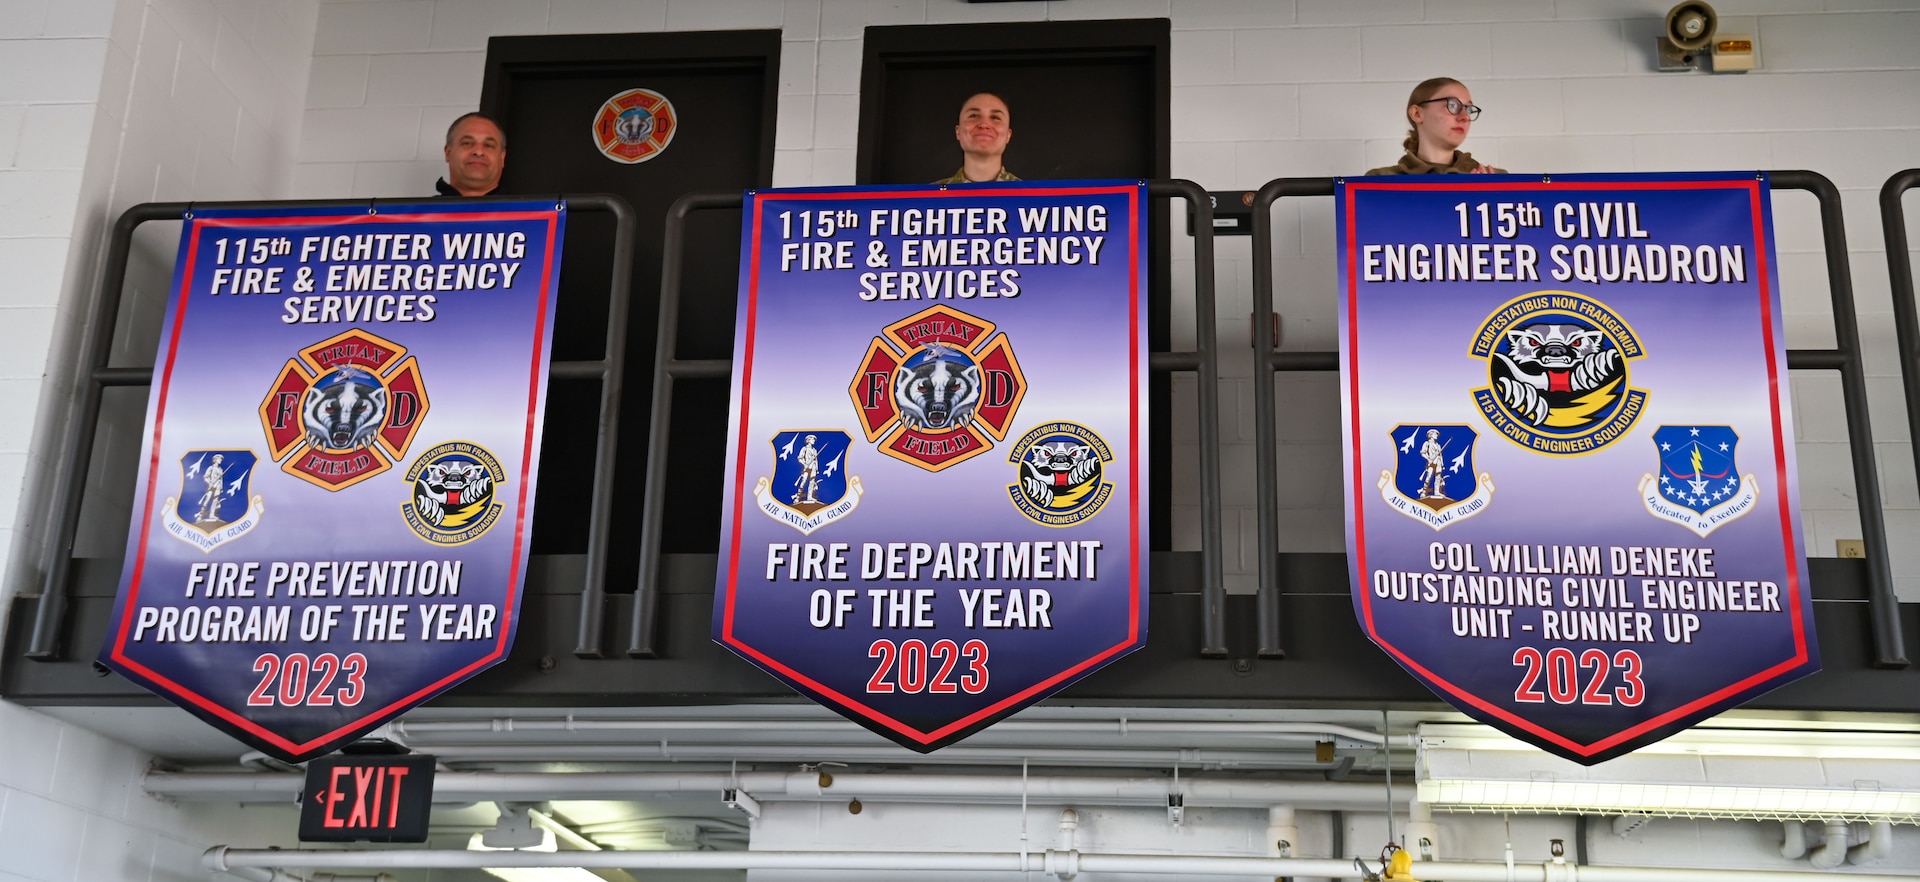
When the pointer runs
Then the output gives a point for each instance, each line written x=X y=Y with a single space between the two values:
x=634 y=126
x=937 y=388
x=214 y=506
x=344 y=410
x=453 y=493
x=1557 y=369
x=1063 y=474
x=1698 y=485
x=810 y=487
x=1433 y=480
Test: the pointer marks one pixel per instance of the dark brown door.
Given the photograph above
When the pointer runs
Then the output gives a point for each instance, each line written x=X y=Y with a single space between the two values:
x=547 y=92
x=1087 y=99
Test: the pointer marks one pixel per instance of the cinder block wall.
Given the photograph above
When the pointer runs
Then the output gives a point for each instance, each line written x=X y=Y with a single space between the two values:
x=105 y=104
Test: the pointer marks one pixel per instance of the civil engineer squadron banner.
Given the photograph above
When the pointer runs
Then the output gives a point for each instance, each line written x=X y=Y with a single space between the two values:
x=1572 y=508
x=935 y=508
x=336 y=483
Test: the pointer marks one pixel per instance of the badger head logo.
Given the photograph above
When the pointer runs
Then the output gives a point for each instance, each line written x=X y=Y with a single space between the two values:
x=345 y=409
x=937 y=389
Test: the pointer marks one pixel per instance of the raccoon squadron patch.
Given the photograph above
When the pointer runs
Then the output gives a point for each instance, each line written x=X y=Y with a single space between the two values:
x=810 y=487
x=1557 y=366
x=344 y=410
x=453 y=493
x=1433 y=480
x=1698 y=485
x=937 y=388
x=1062 y=478
x=214 y=506
x=634 y=126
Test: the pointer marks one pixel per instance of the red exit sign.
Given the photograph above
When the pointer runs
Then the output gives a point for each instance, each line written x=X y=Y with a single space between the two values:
x=373 y=798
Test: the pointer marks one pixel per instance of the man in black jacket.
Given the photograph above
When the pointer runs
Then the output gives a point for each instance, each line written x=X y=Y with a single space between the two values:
x=476 y=155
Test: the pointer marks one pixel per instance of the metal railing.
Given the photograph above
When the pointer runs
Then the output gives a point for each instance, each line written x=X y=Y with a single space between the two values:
x=668 y=368
x=1888 y=642
x=1906 y=323
x=95 y=376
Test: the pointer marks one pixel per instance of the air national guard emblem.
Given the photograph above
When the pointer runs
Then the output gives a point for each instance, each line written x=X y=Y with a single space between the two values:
x=937 y=388
x=1698 y=486
x=453 y=493
x=810 y=487
x=344 y=410
x=214 y=506
x=1062 y=478
x=1557 y=365
x=634 y=126
x=1433 y=480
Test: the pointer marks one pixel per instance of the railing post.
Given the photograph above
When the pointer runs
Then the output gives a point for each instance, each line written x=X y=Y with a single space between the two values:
x=1266 y=444
x=1205 y=361
x=1906 y=324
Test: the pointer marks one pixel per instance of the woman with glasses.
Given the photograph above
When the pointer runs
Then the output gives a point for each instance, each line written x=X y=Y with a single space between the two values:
x=1441 y=111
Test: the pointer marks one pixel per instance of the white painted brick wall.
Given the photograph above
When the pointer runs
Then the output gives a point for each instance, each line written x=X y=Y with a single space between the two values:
x=105 y=104
x=1263 y=89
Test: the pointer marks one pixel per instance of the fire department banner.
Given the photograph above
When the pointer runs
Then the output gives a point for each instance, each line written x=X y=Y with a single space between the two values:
x=936 y=504
x=337 y=477
x=1572 y=508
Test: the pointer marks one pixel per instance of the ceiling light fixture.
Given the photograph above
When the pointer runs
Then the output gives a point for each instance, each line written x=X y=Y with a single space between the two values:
x=1702 y=773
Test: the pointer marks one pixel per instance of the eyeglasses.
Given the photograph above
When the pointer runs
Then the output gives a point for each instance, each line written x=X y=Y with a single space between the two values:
x=1455 y=105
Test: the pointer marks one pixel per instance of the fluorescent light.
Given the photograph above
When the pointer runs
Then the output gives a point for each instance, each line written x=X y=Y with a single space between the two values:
x=535 y=874
x=543 y=874
x=1670 y=800
x=1702 y=773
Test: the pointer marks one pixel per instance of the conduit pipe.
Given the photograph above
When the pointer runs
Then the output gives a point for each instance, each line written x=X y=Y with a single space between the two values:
x=269 y=874
x=1793 y=842
x=1283 y=833
x=805 y=786
x=225 y=858
x=846 y=752
x=1833 y=852
x=1879 y=844
x=1423 y=835
x=1118 y=726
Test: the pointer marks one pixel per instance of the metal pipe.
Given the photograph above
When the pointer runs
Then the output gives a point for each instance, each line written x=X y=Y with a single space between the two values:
x=1816 y=359
x=96 y=346
x=613 y=365
x=1793 y=840
x=1889 y=644
x=806 y=787
x=1206 y=331
x=224 y=858
x=1879 y=844
x=646 y=594
x=1906 y=317
x=123 y=376
x=874 y=752
x=1266 y=444
x=413 y=731
x=1833 y=849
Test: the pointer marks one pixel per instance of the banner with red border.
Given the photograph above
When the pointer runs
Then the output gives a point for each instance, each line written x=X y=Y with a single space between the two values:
x=337 y=474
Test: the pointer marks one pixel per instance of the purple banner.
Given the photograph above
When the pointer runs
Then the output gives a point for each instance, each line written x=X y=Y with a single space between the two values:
x=1572 y=508
x=936 y=500
x=337 y=476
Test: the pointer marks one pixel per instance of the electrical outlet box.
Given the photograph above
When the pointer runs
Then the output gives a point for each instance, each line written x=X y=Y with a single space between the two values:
x=1851 y=548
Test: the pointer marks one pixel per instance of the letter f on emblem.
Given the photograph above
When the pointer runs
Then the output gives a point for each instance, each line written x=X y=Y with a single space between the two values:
x=876 y=389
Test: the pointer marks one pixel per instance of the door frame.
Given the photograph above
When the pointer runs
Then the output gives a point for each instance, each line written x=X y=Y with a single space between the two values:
x=589 y=53
x=887 y=48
